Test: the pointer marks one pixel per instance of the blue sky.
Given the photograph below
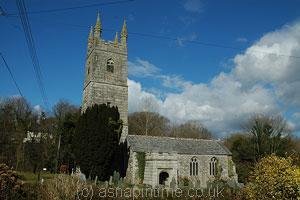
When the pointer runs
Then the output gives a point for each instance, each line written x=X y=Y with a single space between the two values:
x=174 y=71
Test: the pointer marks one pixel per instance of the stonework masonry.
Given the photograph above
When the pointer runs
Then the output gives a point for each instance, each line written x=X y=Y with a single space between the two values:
x=173 y=156
x=106 y=73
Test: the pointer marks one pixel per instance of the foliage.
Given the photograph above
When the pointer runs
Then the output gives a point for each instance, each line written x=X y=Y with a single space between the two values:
x=153 y=124
x=218 y=170
x=147 y=123
x=140 y=156
x=242 y=154
x=183 y=181
x=190 y=129
x=31 y=178
x=10 y=184
x=96 y=141
x=66 y=116
x=62 y=187
x=264 y=135
x=269 y=134
x=230 y=168
x=228 y=192
x=274 y=178
x=35 y=153
x=16 y=117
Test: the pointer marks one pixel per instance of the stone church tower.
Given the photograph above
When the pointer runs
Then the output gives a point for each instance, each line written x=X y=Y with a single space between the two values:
x=106 y=72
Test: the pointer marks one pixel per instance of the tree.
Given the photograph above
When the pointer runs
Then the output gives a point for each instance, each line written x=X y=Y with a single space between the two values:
x=148 y=123
x=243 y=154
x=65 y=118
x=96 y=140
x=35 y=153
x=264 y=135
x=66 y=154
x=270 y=134
x=274 y=178
x=191 y=129
x=16 y=118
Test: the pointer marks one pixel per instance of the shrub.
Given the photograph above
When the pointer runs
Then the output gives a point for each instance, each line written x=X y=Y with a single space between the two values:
x=10 y=184
x=184 y=181
x=273 y=178
x=64 y=187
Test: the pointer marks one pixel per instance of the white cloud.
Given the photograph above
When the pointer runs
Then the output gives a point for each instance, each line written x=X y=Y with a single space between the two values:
x=137 y=96
x=274 y=60
x=174 y=82
x=194 y=6
x=142 y=68
x=262 y=77
x=221 y=105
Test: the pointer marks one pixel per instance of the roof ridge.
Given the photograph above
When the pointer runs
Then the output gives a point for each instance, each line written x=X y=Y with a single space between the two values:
x=176 y=138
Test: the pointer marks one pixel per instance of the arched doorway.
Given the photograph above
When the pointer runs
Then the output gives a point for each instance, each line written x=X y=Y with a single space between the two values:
x=163 y=177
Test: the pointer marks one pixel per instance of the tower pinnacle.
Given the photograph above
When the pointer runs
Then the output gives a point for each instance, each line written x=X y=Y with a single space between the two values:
x=91 y=35
x=98 y=27
x=116 y=41
x=124 y=33
x=91 y=38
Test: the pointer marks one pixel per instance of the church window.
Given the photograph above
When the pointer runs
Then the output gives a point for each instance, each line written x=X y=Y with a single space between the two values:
x=194 y=167
x=110 y=65
x=213 y=166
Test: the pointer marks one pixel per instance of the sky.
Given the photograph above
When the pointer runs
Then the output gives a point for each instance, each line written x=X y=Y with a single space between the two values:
x=216 y=62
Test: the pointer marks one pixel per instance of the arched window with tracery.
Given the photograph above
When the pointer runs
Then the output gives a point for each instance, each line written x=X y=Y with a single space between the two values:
x=194 y=166
x=110 y=65
x=213 y=166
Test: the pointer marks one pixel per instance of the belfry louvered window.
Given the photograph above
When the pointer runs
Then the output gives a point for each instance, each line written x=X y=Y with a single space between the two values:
x=194 y=167
x=110 y=65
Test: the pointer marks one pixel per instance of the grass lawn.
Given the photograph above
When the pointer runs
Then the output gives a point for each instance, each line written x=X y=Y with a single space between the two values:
x=30 y=177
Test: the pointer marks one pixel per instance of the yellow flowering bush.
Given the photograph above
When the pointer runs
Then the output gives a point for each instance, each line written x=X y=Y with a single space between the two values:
x=274 y=178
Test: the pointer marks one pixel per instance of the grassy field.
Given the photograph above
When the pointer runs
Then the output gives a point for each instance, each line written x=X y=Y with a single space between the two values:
x=30 y=177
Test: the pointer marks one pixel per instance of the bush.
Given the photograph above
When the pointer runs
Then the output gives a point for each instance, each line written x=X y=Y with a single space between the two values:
x=63 y=187
x=273 y=178
x=10 y=184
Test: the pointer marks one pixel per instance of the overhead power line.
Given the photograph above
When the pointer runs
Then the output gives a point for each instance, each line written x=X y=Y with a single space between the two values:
x=196 y=42
x=208 y=44
x=74 y=7
x=164 y=37
x=157 y=36
x=2 y=12
x=11 y=75
x=32 y=50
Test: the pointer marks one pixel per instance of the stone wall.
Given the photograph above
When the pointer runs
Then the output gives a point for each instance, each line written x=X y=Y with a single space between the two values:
x=203 y=167
x=157 y=163
x=177 y=166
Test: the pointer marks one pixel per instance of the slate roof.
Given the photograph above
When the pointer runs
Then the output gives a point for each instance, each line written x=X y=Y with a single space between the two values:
x=142 y=143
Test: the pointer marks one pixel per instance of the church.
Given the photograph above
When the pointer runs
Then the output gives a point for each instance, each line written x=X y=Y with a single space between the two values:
x=154 y=161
